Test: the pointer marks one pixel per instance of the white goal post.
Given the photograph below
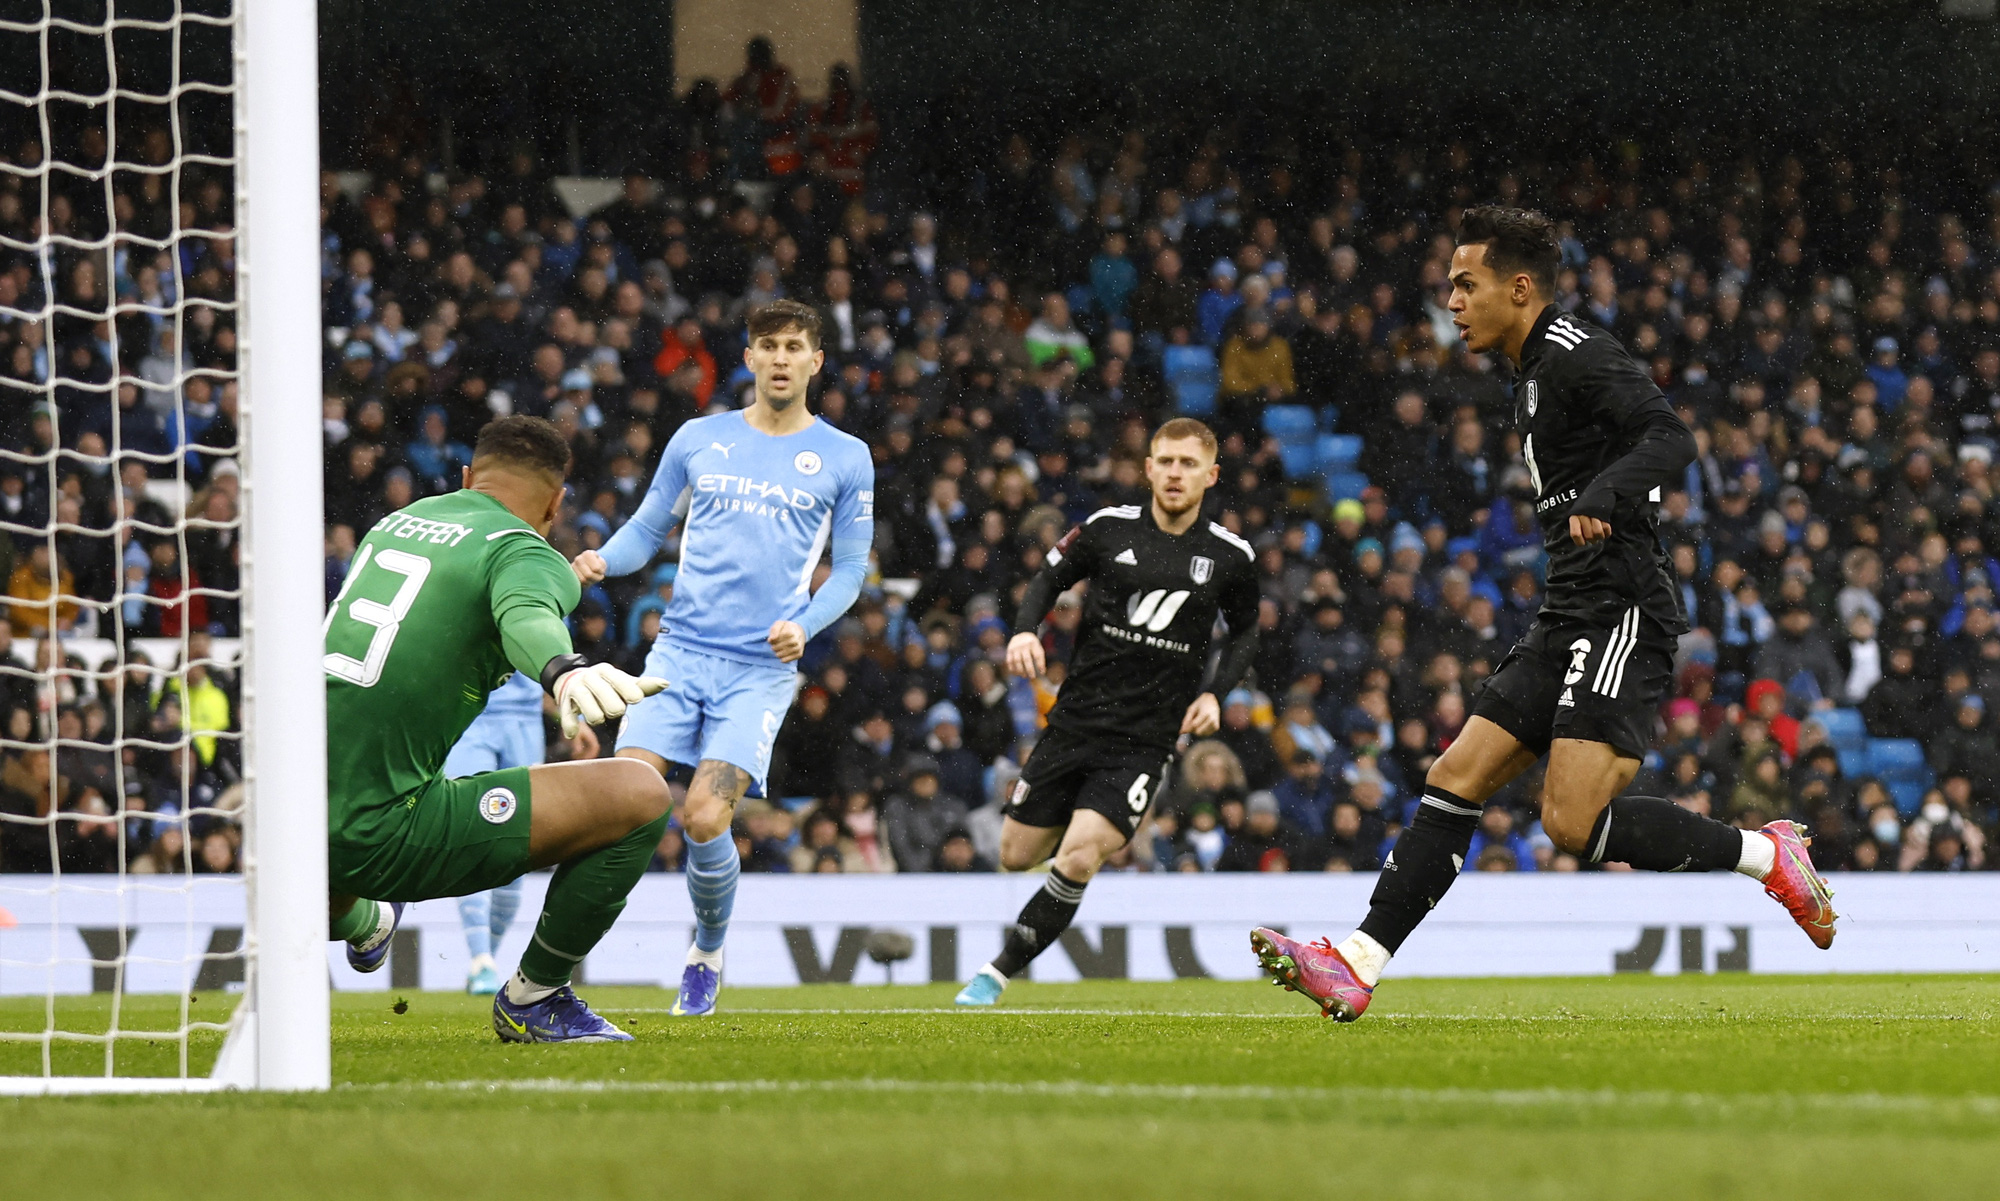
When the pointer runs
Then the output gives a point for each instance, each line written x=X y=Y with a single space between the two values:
x=286 y=1014
x=278 y=1036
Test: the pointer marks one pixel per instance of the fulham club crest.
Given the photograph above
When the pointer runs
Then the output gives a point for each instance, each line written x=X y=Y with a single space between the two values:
x=1201 y=568
x=1532 y=397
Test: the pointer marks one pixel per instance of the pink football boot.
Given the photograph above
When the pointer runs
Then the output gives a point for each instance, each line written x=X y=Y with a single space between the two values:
x=1794 y=883
x=1315 y=969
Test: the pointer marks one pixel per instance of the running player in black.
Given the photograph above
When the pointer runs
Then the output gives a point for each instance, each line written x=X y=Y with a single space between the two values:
x=1583 y=685
x=1158 y=576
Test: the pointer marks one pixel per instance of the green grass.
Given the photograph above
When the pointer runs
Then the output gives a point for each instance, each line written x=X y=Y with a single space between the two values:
x=1711 y=1087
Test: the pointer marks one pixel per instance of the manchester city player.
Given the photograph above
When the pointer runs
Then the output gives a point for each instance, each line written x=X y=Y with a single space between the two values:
x=761 y=492
x=507 y=733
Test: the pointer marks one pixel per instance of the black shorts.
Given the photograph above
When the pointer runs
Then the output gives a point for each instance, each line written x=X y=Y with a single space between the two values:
x=1568 y=679
x=1067 y=772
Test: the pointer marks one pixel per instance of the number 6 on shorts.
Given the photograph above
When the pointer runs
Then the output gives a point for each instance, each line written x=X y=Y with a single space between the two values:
x=1137 y=796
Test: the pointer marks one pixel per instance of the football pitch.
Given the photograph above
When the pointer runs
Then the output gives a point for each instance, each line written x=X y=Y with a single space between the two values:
x=1638 y=1087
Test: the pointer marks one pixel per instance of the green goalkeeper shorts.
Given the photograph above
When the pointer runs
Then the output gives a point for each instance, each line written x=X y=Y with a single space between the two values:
x=450 y=838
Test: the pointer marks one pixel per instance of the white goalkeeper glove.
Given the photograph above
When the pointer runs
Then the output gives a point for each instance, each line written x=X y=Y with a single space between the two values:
x=594 y=693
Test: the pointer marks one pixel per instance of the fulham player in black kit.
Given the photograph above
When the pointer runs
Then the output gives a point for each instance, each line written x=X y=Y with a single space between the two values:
x=1583 y=685
x=1158 y=576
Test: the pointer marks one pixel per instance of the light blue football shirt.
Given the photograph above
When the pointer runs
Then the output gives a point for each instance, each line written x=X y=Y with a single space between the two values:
x=518 y=697
x=759 y=513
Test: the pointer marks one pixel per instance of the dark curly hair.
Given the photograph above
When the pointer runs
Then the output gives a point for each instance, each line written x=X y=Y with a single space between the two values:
x=525 y=442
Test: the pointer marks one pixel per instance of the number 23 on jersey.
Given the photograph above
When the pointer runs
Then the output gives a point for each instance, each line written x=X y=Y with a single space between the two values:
x=386 y=620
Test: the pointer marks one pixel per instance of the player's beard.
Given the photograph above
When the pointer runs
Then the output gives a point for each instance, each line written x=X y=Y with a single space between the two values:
x=1190 y=500
x=780 y=404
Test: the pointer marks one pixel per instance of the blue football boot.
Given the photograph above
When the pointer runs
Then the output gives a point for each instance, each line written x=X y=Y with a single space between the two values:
x=983 y=990
x=700 y=984
x=560 y=1017
x=371 y=953
x=484 y=979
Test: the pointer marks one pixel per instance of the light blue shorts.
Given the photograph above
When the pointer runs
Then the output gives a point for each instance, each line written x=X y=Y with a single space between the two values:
x=496 y=741
x=713 y=708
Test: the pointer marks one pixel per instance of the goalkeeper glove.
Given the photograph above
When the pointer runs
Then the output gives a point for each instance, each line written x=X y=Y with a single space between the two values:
x=593 y=693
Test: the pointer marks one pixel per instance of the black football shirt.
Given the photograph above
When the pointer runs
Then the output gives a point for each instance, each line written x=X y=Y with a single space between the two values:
x=1581 y=403
x=1142 y=648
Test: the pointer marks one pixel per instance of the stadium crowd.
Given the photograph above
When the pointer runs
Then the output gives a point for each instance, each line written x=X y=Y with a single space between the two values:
x=1832 y=338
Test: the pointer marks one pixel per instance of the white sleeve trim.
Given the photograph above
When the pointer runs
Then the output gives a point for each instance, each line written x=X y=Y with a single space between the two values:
x=1221 y=531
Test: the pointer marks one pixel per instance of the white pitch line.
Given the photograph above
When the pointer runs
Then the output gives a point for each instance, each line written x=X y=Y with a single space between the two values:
x=1308 y=1013
x=1980 y=1105
x=985 y=1012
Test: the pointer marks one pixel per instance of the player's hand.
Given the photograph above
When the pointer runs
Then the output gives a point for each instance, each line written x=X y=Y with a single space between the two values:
x=1204 y=717
x=589 y=567
x=787 y=639
x=584 y=745
x=1582 y=530
x=1024 y=656
x=598 y=693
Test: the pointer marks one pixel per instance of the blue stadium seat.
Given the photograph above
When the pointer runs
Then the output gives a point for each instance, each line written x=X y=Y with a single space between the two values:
x=1195 y=397
x=1909 y=795
x=1297 y=458
x=1844 y=729
x=1345 y=485
x=1339 y=452
x=1896 y=757
x=1179 y=362
x=1329 y=418
x=1291 y=423
x=1853 y=763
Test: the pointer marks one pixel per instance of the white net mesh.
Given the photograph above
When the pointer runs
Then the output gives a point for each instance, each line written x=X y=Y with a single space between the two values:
x=120 y=754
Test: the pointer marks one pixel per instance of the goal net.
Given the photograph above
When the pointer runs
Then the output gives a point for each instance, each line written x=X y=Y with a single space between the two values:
x=162 y=744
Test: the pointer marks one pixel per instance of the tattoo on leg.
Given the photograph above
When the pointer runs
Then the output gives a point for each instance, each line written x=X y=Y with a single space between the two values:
x=725 y=781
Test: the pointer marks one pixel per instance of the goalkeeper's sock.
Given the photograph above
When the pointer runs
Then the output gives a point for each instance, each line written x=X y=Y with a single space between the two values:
x=506 y=902
x=523 y=991
x=361 y=923
x=712 y=868
x=475 y=913
x=585 y=896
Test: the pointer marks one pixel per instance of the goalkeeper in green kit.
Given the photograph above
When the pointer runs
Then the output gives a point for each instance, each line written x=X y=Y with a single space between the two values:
x=445 y=600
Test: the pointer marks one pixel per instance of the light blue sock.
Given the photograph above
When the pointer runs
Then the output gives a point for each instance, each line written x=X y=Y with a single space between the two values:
x=506 y=903
x=712 y=868
x=473 y=914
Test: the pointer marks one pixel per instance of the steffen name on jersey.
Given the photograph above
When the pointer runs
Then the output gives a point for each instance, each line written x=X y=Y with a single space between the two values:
x=401 y=524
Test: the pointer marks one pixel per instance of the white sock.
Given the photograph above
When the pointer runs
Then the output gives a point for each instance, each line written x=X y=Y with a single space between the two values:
x=990 y=970
x=712 y=960
x=1366 y=956
x=1760 y=854
x=385 y=925
x=479 y=964
x=523 y=991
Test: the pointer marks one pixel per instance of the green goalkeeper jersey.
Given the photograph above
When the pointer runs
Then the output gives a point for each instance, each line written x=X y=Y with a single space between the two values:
x=444 y=600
